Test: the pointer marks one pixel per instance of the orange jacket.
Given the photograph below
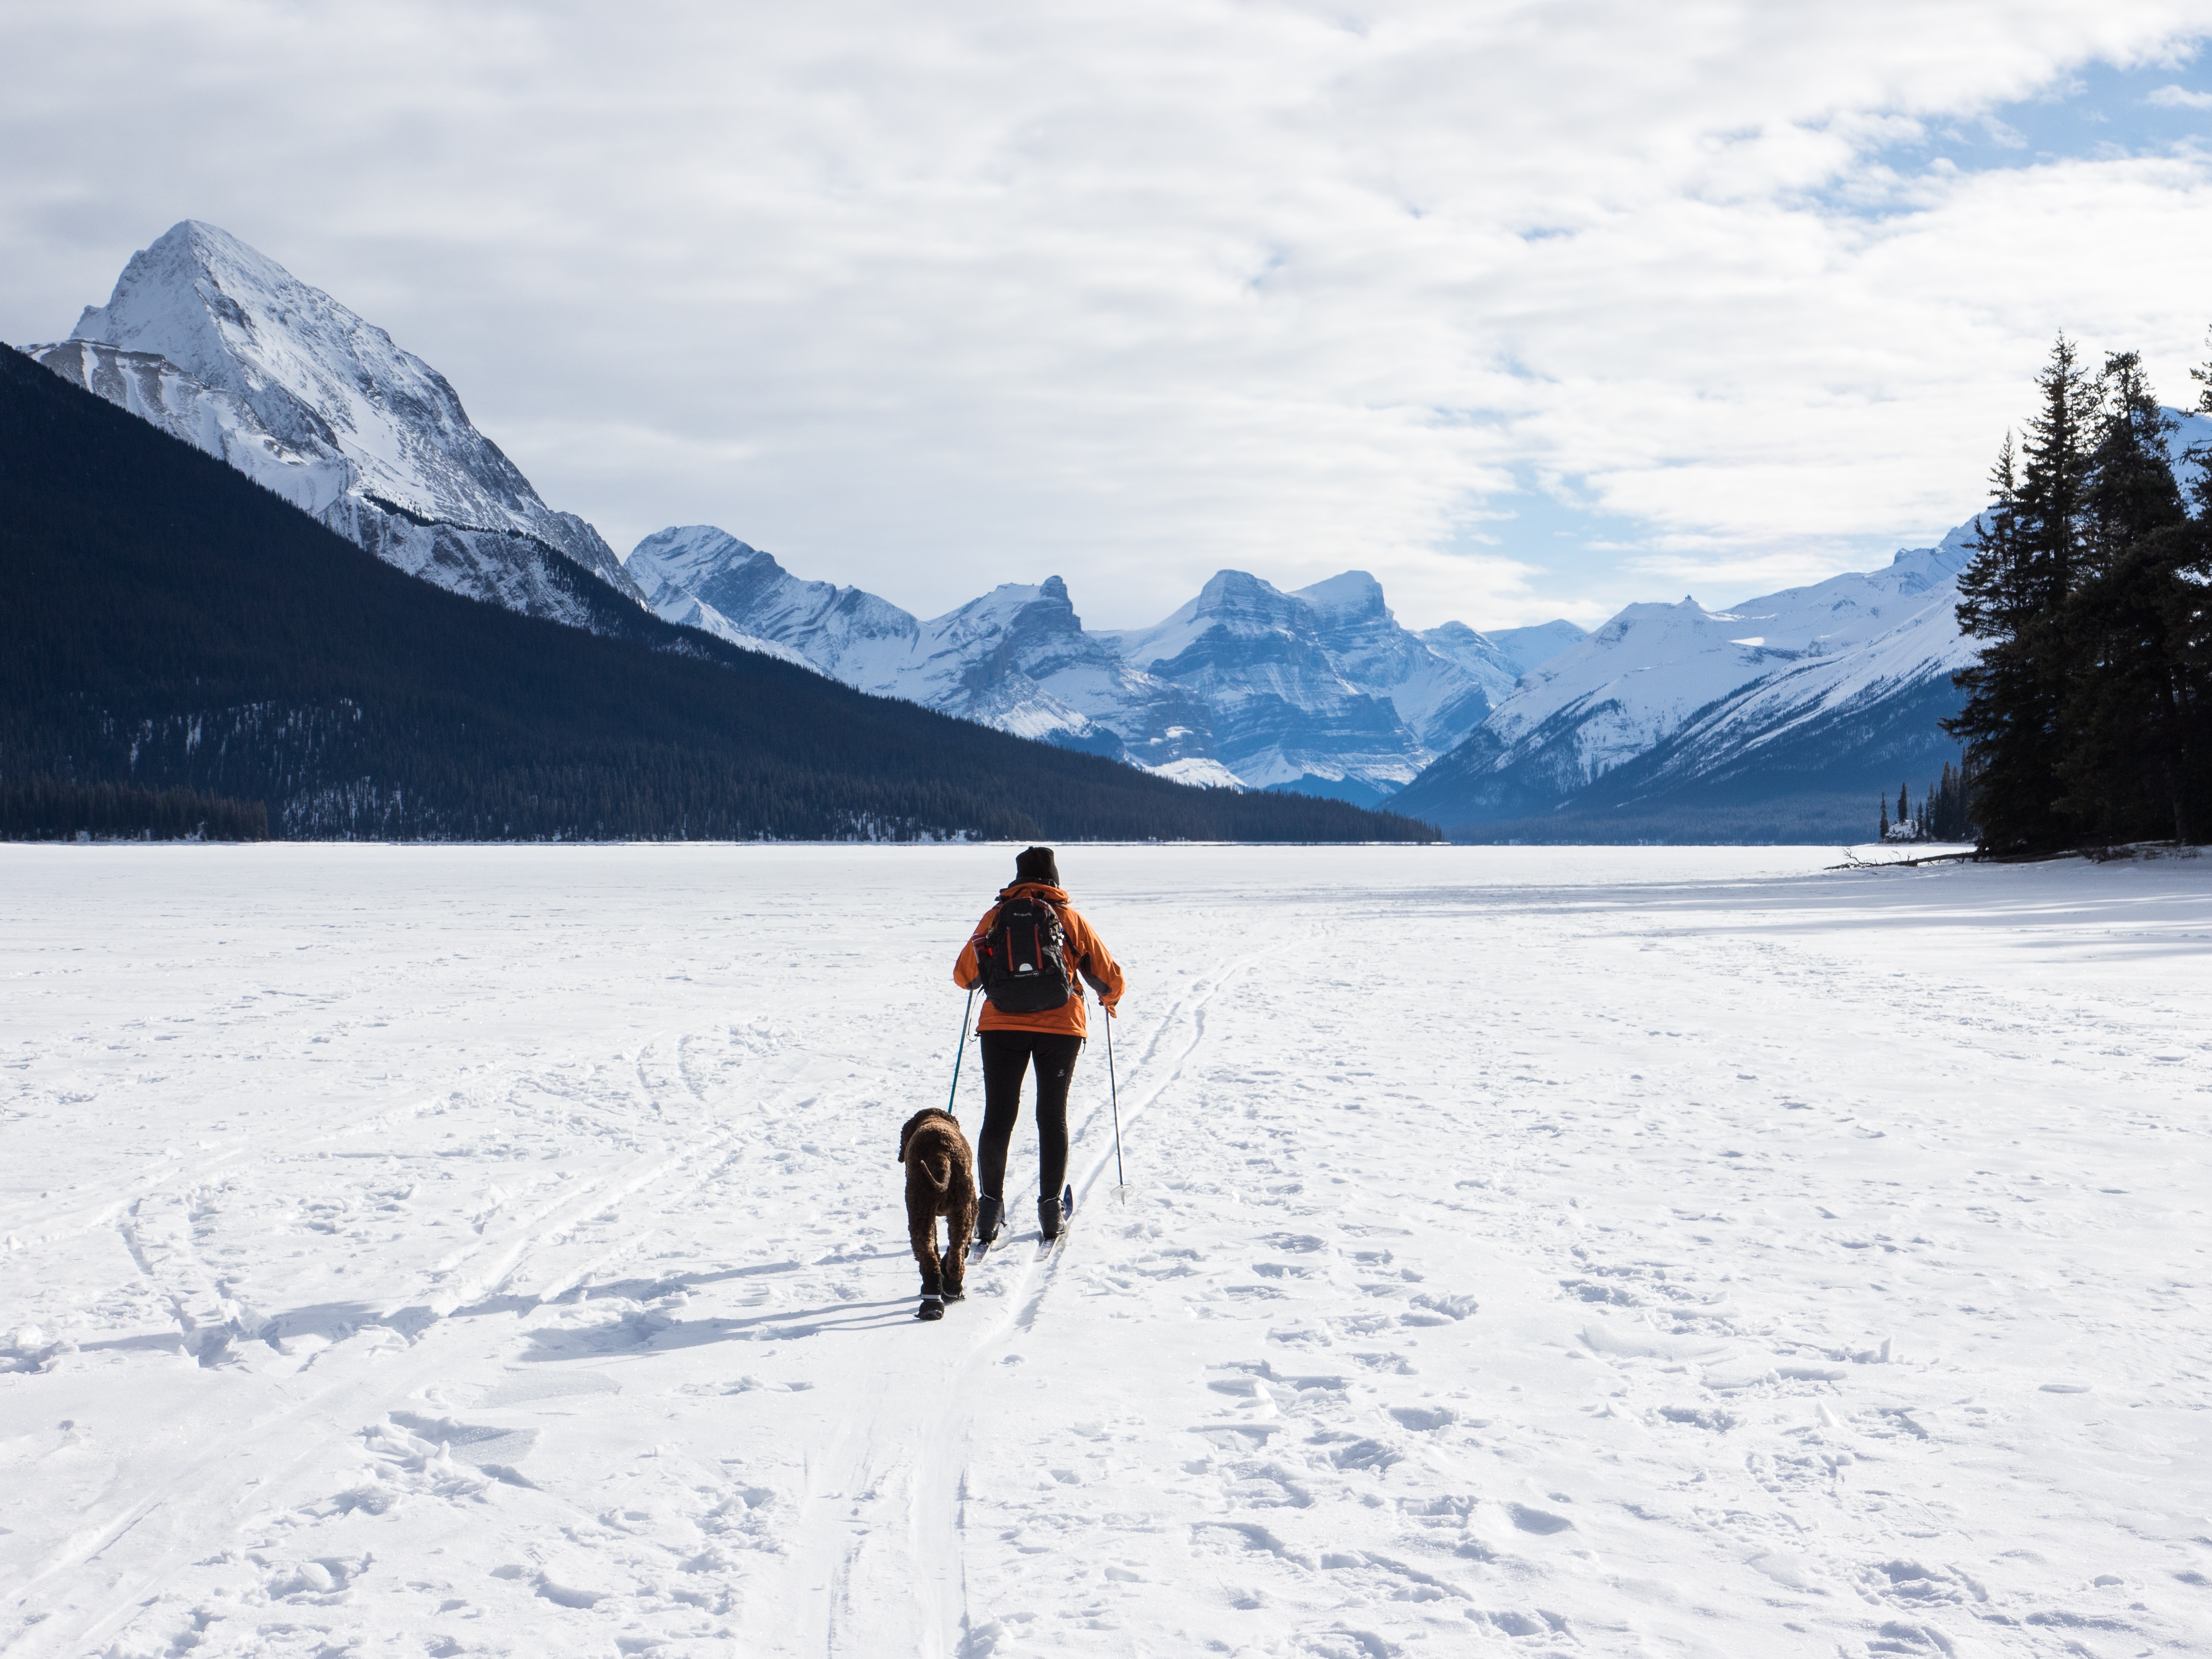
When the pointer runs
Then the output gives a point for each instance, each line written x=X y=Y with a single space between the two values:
x=1086 y=953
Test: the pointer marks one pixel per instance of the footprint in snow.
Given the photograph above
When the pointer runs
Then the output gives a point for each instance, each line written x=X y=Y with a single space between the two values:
x=1427 y=1310
x=1370 y=1454
x=1540 y=1521
x=1396 y=1364
x=1425 y=1419
x=496 y=1451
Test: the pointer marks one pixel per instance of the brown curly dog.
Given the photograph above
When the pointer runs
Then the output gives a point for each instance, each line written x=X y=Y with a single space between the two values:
x=940 y=1181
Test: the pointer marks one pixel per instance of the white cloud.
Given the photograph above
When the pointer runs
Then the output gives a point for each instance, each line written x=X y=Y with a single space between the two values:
x=928 y=298
x=2179 y=98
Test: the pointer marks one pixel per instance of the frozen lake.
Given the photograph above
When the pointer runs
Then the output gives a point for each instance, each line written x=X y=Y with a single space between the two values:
x=1592 y=1251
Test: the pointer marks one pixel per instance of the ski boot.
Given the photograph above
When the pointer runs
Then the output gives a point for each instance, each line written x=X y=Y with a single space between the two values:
x=1051 y=1211
x=990 y=1216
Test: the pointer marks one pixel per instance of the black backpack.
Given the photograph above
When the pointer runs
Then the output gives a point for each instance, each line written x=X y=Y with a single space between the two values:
x=1023 y=958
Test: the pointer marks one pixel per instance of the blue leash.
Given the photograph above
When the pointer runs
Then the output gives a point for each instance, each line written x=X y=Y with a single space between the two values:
x=960 y=1052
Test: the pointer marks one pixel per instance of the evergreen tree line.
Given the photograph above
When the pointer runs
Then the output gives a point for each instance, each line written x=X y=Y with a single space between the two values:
x=166 y=624
x=1943 y=812
x=44 y=809
x=2090 y=589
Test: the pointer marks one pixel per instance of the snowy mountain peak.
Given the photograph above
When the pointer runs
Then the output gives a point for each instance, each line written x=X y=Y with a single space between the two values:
x=200 y=297
x=1352 y=595
x=1240 y=595
x=316 y=379
x=1048 y=597
x=688 y=555
x=1233 y=605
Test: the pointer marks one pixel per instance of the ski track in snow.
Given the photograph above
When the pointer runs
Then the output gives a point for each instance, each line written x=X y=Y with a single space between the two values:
x=1562 y=1251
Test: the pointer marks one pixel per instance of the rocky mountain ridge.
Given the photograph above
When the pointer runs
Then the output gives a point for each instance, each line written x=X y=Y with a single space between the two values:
x=1812 y=691
x=1319 y=690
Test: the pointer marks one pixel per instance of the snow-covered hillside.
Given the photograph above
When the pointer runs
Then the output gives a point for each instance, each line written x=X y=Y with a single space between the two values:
x=478 y=1250
x=220 y=346
x=1247 y=685
x=1687 y=691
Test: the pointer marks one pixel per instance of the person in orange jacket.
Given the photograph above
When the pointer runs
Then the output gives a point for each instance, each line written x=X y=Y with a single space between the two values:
x=1051 y=1039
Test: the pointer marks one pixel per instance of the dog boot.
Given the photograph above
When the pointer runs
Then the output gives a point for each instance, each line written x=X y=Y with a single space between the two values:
x=1048 y=1218
x=990 y=1216
x=933 y=1298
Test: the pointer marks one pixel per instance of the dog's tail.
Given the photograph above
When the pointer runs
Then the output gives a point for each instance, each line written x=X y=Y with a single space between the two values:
x=941 y=1182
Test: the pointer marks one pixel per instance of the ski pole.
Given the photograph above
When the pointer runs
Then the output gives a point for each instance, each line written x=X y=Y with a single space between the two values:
x=960 y=1052
x=1114 y=1092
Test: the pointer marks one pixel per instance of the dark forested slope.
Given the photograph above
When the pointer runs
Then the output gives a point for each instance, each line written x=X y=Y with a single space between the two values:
x=166 y=624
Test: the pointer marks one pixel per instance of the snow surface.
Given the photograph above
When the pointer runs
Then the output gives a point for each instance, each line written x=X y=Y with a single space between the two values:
x=1578 y=1251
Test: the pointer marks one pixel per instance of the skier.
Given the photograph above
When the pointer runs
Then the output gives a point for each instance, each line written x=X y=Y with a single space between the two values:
x=1026 y=953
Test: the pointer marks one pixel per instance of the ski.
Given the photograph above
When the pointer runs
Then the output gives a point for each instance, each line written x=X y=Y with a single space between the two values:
x=979 y=1245
x=979 y=1248
x=1050 y=1246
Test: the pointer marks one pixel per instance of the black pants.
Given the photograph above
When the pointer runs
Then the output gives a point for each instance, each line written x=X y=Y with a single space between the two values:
x=1006 y=1055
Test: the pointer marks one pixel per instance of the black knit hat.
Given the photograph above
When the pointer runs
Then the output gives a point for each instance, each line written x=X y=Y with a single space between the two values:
x=1036 y=863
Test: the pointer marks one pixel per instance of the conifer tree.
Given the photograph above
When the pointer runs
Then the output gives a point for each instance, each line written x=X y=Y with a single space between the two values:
x=2013 y=598
x=1946 y=807
x=2125 y=737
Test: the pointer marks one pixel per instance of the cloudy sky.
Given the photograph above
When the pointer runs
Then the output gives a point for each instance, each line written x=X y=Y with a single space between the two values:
x=1529 y=309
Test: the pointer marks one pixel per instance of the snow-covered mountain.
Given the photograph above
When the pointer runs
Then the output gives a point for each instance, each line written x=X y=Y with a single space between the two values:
x=1305 y=688
x=844 y=632
x=1811 y=684
x=220 y=346
x=1510 y=651
x=1319 y=690
x=1017 y=658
